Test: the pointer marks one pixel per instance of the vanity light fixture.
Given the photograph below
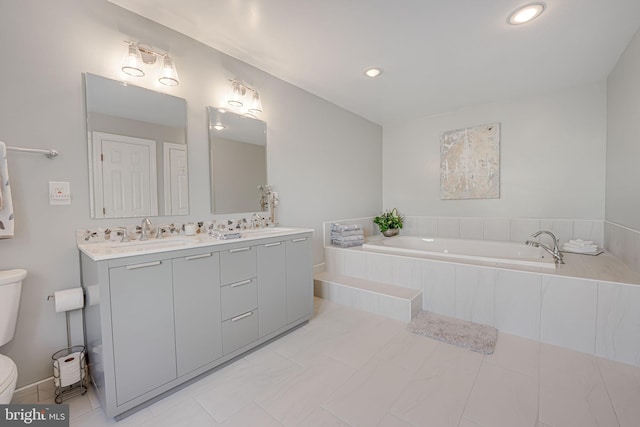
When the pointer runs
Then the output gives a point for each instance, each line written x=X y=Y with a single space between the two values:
x=239 y=93
x=373 y=72
x=526 y=13
x=138 y=57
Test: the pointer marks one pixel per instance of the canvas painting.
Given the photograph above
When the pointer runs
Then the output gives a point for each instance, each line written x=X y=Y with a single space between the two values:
x=470 y=163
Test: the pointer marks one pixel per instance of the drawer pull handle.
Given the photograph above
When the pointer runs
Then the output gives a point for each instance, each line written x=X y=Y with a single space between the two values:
x=302 y=239
x=244 y=282
x=269 y=245
x=233 y=251
x=242 y=316
x=147 y=264
x=189 y=258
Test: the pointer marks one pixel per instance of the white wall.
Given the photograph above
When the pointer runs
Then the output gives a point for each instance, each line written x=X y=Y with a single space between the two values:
x=324 y=161
x=552 y=150
x=623 y=139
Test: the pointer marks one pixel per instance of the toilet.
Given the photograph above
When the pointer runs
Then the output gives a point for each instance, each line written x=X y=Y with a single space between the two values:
x=10 y=287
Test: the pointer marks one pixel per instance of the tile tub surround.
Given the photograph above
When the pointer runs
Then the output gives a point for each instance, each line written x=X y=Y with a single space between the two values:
x=502 y=229
x=584 y=305
x=624 y=243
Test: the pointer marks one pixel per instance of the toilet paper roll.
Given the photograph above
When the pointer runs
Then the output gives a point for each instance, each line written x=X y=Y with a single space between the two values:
x=69 y=299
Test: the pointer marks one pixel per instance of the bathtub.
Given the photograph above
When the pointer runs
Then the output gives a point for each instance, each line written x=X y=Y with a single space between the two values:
x=462 y=249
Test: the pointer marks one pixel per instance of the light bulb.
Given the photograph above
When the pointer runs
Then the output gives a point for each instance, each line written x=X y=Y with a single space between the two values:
x=526 y=14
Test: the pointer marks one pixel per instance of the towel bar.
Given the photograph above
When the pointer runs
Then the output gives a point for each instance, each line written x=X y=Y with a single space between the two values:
x=50 y=153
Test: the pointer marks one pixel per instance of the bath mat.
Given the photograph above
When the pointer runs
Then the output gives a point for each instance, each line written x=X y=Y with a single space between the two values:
x=474 y=336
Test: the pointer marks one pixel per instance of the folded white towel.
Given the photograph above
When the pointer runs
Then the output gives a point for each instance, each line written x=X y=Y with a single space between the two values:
x=6 y=205
x=580 y=242
x=580 y=249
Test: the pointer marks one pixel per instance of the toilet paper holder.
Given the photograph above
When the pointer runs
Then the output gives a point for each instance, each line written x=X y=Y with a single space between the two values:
x=62 y=372
x=53 y=298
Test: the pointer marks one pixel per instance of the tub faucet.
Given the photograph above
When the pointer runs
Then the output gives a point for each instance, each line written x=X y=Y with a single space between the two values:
x=146 y=224
x=555 y=251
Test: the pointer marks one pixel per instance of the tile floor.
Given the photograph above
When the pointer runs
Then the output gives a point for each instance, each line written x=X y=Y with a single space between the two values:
x=351 y=368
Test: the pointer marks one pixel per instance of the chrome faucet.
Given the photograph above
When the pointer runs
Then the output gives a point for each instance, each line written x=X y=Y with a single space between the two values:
x=144 y=227
x=555 y=251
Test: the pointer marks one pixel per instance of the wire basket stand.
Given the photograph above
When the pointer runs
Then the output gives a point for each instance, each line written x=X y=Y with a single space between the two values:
x=70 y=371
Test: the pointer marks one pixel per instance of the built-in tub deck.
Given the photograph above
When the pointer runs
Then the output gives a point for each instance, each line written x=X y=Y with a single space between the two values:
x=603 y=267
x=588 y=304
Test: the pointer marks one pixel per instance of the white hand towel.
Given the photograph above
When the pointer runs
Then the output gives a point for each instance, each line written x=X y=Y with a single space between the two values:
x=580 y=249
x=6 y=206
x=580 y=242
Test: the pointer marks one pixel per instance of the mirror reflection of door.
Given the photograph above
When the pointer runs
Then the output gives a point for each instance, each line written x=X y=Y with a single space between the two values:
x=126 y=168
x=176 y=179
x=119 y=108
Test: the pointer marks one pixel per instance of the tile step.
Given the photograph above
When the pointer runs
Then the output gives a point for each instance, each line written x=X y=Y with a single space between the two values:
x=395 y=302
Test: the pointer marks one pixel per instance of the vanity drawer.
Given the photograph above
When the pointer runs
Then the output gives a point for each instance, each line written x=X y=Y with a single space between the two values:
x=238 y=298
x=237 y=264
x=239 y=331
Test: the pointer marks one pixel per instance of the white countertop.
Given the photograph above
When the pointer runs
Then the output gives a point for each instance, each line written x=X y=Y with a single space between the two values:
x=112 y=249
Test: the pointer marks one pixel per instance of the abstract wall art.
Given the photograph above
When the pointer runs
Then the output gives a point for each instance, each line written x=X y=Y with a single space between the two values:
x=470 y=163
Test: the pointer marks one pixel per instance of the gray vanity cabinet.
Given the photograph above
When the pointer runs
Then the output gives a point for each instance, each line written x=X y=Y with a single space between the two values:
x=196 y=301
x=144 y=348
x=299 y=275
x=154 y=321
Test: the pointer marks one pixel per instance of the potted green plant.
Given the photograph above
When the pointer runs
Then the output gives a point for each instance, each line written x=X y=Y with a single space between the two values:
x=390 y=222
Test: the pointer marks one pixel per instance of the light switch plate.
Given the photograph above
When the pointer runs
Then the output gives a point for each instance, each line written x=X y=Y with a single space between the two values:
x=59 y=193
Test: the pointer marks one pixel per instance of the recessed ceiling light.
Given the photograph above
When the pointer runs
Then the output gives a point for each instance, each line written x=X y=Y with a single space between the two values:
x=373 y=72
x=526 y=13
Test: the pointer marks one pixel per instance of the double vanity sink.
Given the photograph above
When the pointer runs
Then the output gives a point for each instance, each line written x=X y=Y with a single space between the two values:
x=114 y=249
x=162 y=312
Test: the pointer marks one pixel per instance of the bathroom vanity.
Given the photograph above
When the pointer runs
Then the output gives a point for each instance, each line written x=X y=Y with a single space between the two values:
x=162 y=312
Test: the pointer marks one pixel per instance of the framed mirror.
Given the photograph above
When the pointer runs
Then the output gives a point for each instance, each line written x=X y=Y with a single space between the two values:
x=237 y=161
x=137 y=150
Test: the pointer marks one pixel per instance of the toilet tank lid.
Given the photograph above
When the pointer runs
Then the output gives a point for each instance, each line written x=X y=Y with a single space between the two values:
x=11 y=276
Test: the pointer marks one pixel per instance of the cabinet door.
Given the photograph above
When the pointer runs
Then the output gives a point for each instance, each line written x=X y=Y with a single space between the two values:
x=196 y=292
x=144 y=348
x=299 y=279
x=272 y=287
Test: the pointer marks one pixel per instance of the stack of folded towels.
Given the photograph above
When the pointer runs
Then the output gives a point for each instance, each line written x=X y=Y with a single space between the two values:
x=580 y=246
x=346 y=235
